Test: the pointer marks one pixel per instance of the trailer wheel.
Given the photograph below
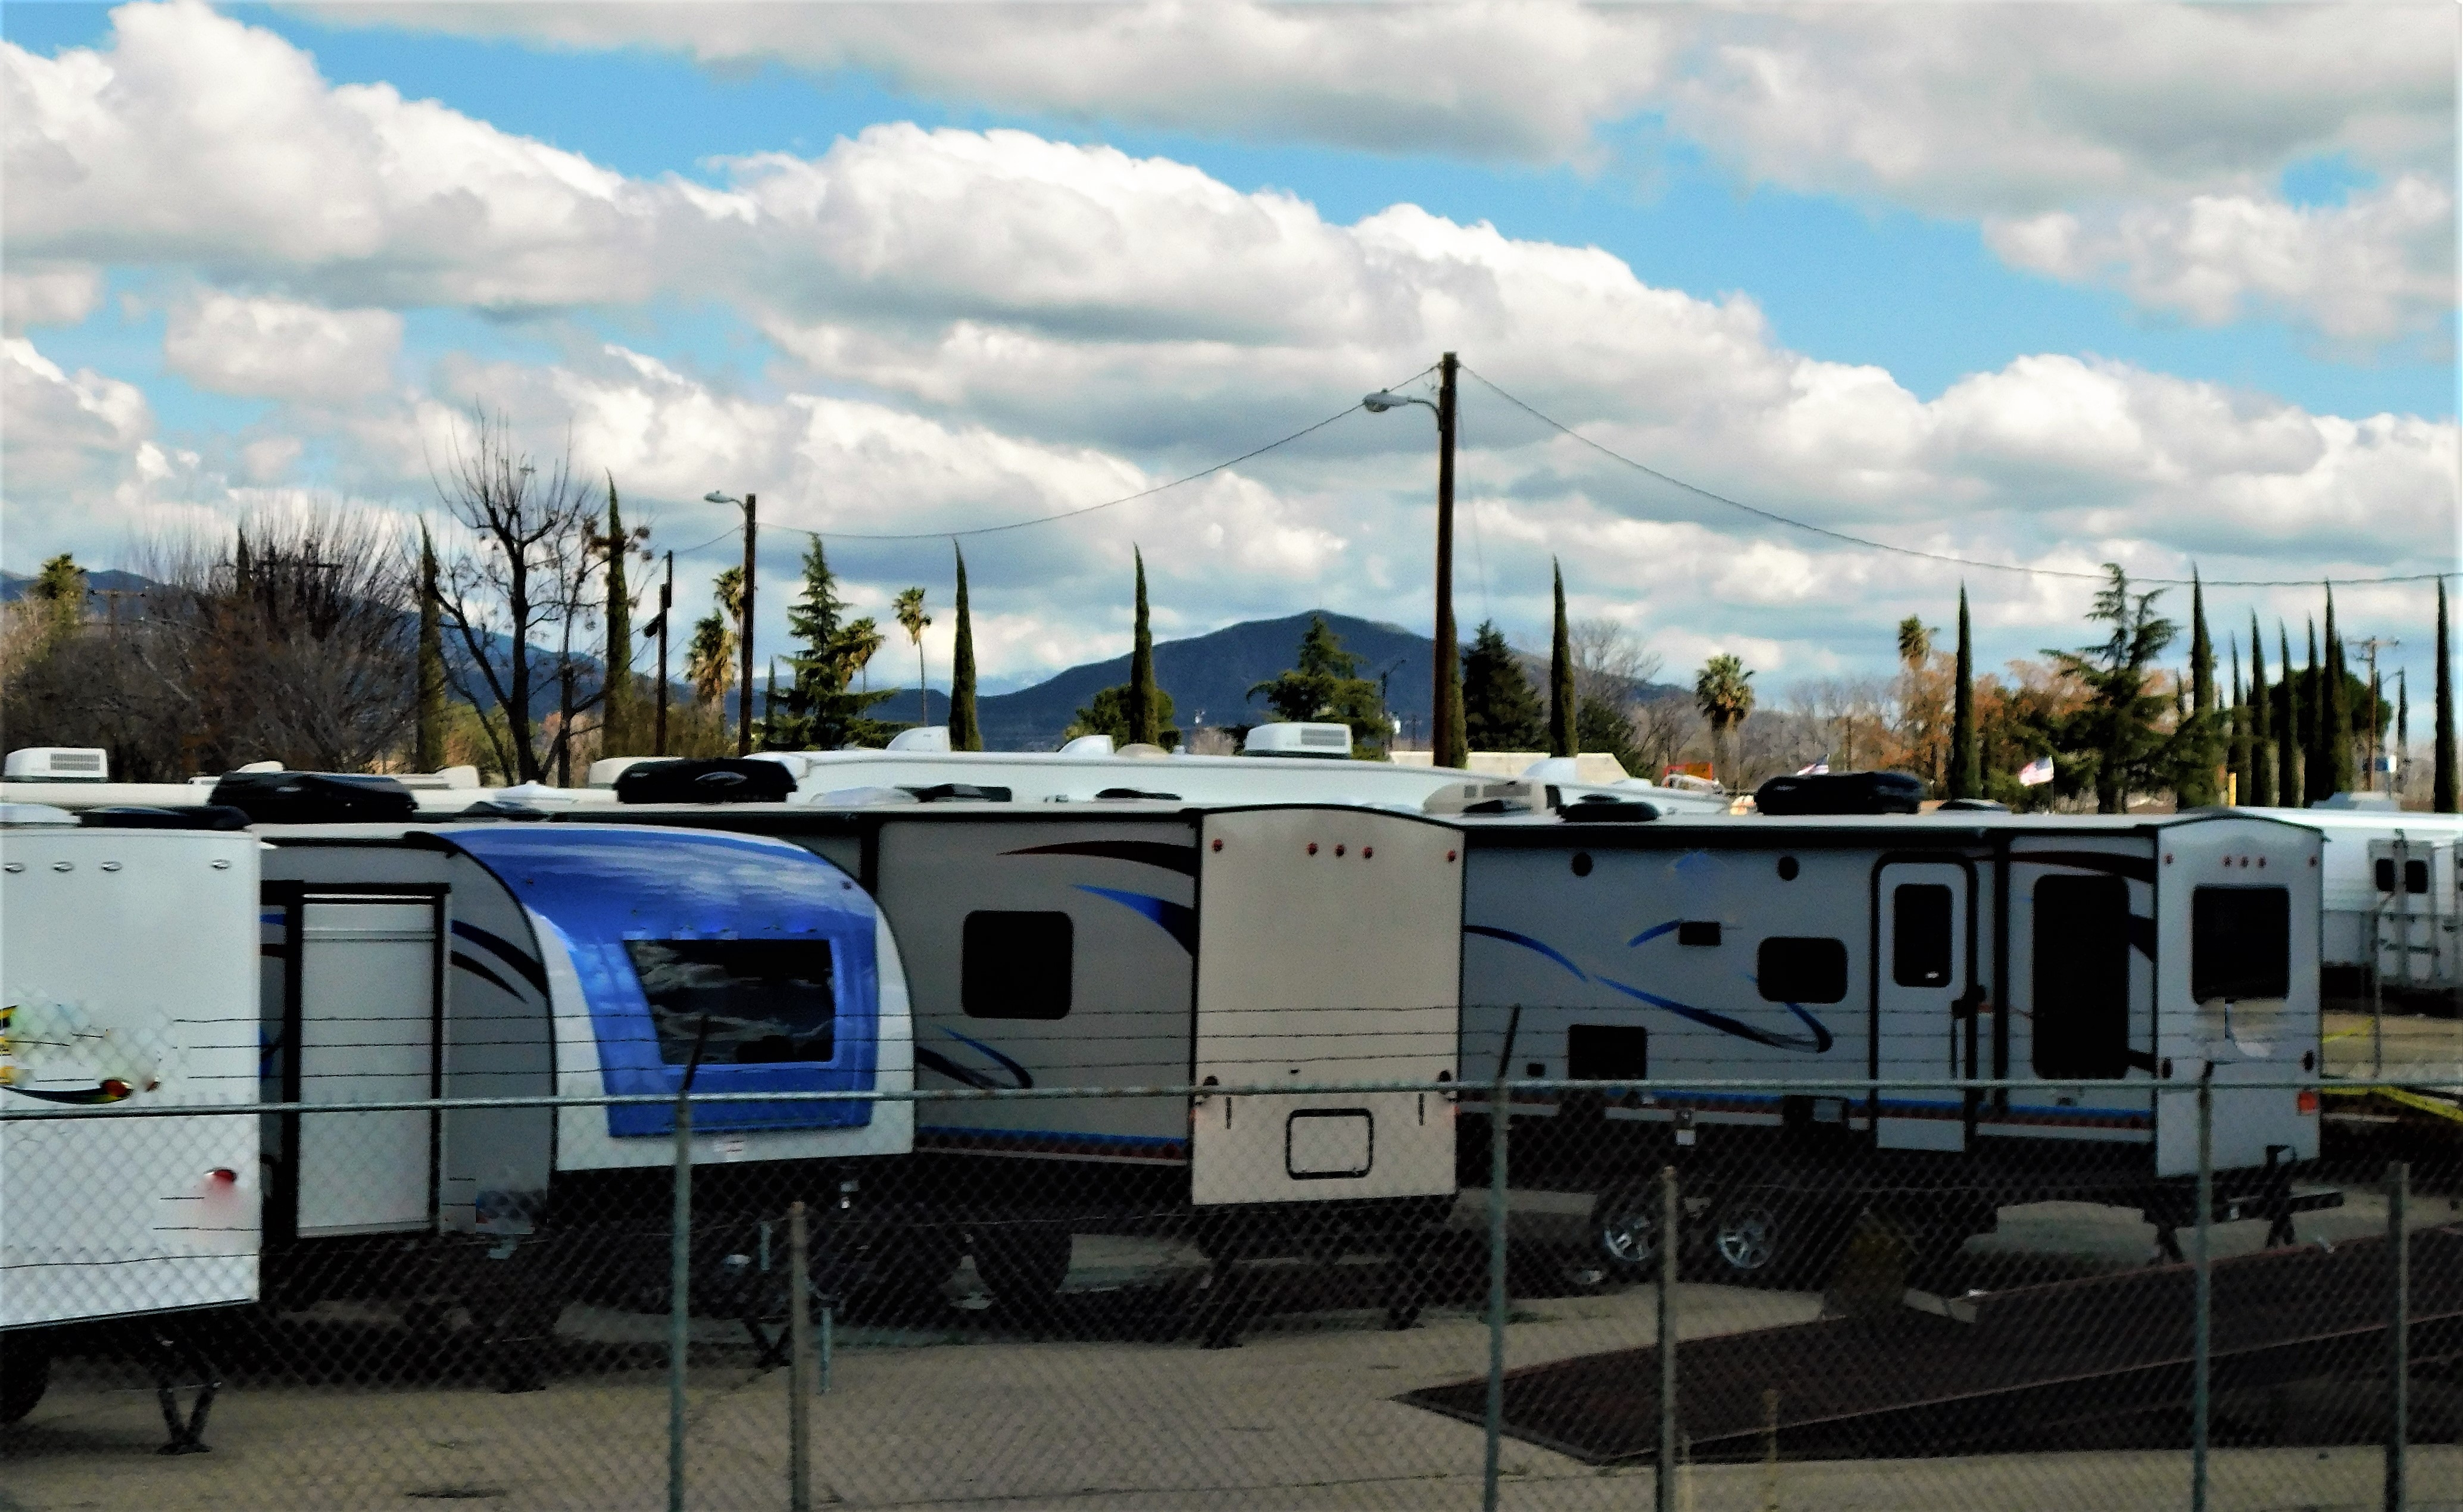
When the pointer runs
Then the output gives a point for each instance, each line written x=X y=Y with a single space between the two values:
x=1023 y=1264
x=1766 y=1237
x=24 y=1373
x=1625 y=1232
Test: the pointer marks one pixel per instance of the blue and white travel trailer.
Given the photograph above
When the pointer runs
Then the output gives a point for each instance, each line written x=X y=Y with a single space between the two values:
x=1137 y=942
x=126 y=980
x=514 y=961
x=2060 y=952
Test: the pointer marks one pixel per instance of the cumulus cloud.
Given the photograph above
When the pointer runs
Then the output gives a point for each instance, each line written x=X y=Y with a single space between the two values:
x=2377 y=266
x=40 y=295
x=281 y=349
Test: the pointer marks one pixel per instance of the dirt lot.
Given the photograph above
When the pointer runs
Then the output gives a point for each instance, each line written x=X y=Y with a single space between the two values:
x=967 y=1412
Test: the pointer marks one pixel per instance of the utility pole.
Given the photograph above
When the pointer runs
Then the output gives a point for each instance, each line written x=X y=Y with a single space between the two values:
x=1445 y=745
x=2372 y=646
x=744 y=697
x=666 y=606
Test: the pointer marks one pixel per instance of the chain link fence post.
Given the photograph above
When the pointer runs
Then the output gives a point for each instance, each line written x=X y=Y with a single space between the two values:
x=2203 y=1324
x=1495 y=1425
x=800 y=1362
x=1663 y=1477
x=2398 y=1336
x=679 y=1302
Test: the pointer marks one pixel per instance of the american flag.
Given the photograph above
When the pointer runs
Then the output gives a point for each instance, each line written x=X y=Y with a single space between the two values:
x=2035 y=772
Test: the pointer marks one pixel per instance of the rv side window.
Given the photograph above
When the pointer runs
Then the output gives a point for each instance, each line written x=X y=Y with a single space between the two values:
x=2416 y=877
x=1607 y=1053
x=2240 y=943
x=1808 y=969
x=2082 y=978
x=765 y=999
x=1920 y=944
x=2385 y=871
x=1016 y=966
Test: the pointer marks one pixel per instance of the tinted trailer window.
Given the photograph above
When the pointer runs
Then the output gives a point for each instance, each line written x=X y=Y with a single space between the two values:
x=2082 y=978
x=2240 y=943
x=767 y=1001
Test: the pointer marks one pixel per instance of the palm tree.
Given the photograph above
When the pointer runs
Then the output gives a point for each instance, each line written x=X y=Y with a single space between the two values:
x=909 y=607
x=709 y=657
x=1724 y=692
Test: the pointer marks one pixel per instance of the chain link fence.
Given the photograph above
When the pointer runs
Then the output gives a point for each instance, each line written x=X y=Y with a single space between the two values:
x=1013 y=1317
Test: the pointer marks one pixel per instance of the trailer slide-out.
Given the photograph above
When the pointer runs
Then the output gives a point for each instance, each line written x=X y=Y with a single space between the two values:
x=1140 y=943
x=2059 y=952
x=128 y=980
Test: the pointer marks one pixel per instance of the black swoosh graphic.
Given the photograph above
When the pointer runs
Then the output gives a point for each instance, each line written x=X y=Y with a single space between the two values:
x=505 y=950
x=1181 y=858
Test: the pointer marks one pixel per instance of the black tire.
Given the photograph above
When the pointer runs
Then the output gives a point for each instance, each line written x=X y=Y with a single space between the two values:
x=1625 y=1232
x=25 y=1375
x=1023 y=1264
x=1768 y=1237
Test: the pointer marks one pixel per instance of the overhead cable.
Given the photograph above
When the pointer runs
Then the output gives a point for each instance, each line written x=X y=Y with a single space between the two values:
x=1862 y=542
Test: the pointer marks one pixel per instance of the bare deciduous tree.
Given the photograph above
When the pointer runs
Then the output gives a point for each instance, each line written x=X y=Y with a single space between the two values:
x=524 y=580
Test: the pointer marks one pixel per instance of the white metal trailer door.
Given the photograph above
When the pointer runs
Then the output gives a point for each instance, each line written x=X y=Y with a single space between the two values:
x=367 y=1033
x=1922 y=974
x=1329 y=949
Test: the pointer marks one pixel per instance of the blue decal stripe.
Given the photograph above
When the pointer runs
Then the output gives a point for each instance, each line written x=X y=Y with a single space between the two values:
x=1528 y=943
x=1819 y=1040
x=971 y=1077
x=1653 y=933
x=505 y=951
x=1178 y=920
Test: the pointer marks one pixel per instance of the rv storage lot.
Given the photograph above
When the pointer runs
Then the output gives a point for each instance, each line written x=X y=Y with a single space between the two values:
x=1302 y=1416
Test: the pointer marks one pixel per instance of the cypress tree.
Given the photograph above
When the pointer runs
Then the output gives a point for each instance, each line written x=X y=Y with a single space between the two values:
x=2314 y=768
x=2194 y=782
x=2441 y=781
x=2402 y=731
x=617 y=718
x=1146 y=717
x=2261 y=747
x=2338 y=708
x=1564 y=708
x=2291 y=769
x=966 y=732
x=2238 y=717
x=430 y=740
x=1965 y=758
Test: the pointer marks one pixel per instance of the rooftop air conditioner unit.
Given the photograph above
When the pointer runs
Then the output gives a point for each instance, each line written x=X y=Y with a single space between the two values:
x=1297 y=740
x=921 y=738
x=59 y=764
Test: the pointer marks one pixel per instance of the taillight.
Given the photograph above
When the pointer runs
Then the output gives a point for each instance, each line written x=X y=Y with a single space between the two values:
x=2308 y=1102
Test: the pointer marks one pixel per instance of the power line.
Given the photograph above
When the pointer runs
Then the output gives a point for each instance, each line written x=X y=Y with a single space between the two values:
x=1906 y=550
x=1343 y=413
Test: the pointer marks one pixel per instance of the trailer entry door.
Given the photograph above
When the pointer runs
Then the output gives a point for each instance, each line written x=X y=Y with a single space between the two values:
x=366 y=1018
x=1922 y=974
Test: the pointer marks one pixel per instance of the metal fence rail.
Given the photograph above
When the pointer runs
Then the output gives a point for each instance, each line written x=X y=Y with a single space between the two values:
x=1712 y=1294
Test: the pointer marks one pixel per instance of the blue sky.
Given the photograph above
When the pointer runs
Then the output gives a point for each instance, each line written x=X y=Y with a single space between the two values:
x=2030 y=319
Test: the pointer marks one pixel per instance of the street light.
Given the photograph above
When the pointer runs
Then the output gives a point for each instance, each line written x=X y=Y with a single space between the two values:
x=744 y=697
x=1445 y=745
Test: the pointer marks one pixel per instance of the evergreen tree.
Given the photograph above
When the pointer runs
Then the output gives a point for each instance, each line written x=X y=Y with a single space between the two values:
x=2441 y=778
x=2339 y=709
x=2291 y=767
x=2317 y=770
x=2238 y=720
x=1147 y=709
x=1326 y=687
x=618 y=713
x=1564 y=707
x=2402 y=728
x=1605 y=728
x=1108 y=713
x=818 y=711
x=2113 y=735
x=429 y=727
x=966 y=731
x=2196 y=754
x=1500 y=710
x=61 y=585
x=1965 y=758
x=2261 y=738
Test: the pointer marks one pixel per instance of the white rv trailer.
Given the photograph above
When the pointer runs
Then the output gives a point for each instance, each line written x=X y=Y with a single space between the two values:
x=2389 y=898
x=528 y=960
x=127 y=958
x=2060 y=952
x=1142 y=944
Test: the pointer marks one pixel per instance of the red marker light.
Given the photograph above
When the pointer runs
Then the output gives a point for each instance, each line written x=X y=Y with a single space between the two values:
x=2307 y=1103
x=221 y=1176
x=114 y=1089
